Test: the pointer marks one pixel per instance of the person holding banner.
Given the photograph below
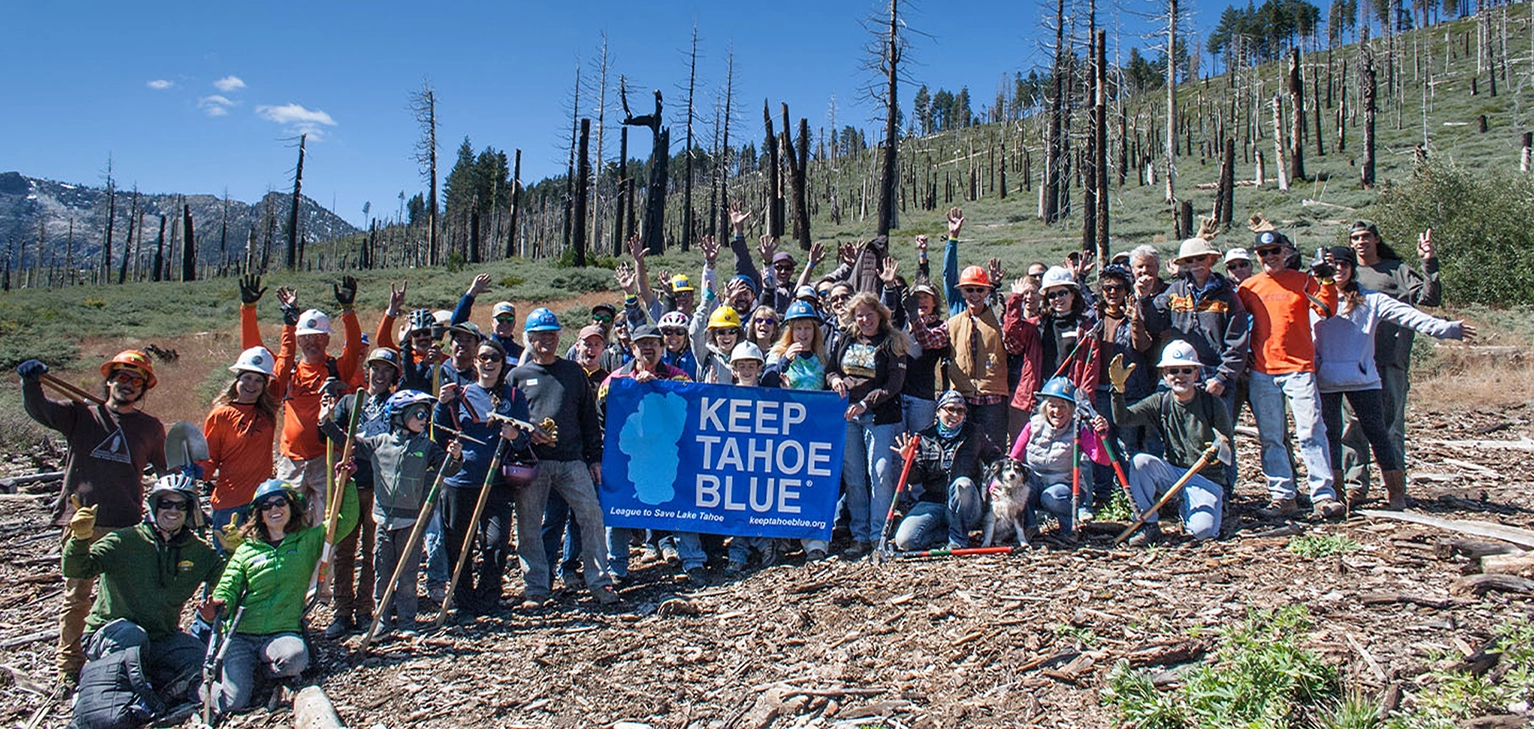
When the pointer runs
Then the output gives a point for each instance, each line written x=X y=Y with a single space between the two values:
x=949 y=458
x=469 y=409
x=868 y=368
x=746 y=361
x=798 y=362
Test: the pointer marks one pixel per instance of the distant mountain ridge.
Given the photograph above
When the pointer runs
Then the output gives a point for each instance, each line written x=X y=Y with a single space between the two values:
x=27 y=201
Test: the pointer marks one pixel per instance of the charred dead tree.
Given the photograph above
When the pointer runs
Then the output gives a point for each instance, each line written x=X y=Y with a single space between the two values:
x=771 y=145
x=159 y=252
x=1366 y=92
x=720 y=216
x=798 y=153
x=582 y=189
x=1297 y=118
x=290 y=261
x=423 y=105
x=1049 y=194
x=654 y=235
x=1225 y=191
x=134 y=219
x=516 y=205
x=889 y=178
x=621 y=215
x=1100 y=140
x=189 y=244
x=106 y=246
x=1171 y=100
x=692 y=83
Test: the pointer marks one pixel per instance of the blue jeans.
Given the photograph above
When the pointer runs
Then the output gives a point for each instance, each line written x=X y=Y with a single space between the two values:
x=929 y=520
x=572 y=479
x=916 y=413
x=1055 y=498
x=1268 y=395
x=868 y=472
x=279 y=655
x=561 y=534
x=436 y=557
x=1201 y=497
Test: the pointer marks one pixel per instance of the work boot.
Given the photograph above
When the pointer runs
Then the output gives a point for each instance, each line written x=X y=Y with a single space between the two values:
x=815 y=555
x=734 y=568
x=857 y=550
x=1279 y=509
x=339 y=627
x=1328 y=508
x=1357 y=494
x=1395 y=489
x=606 y=596
x=1146 y=536
x=697 y=577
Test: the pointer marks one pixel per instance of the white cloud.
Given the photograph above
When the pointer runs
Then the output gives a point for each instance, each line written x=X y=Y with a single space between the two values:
x=215 y=105
x=229 y=83
x=160 y=84
x=297 y=119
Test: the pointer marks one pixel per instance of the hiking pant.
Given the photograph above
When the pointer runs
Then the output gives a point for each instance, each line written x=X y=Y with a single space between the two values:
x=253 y=657
x=928 y=520
x=389 y=556
x=309 y=476
x=561 y=534
x=868 y=471
x=77 y=605
x=1268 y=395
x=1151 y=476
x=1395 y=380
x=1369 y=410
x=355 y=599
x=492 y=535
x=1055 y=498
x=572 y=480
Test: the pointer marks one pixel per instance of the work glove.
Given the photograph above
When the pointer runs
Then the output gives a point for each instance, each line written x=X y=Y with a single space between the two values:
x=31 y=369
x=1223 y=453
x=229 y=536
x=346 y=291
x=290 y=315
x=1323 y=270
x=1118 y=374
x=83 y=524
x=251 y=289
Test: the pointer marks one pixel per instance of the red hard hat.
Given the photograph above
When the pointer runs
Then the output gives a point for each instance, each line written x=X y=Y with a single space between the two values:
x=975 y=276
x=132 y=359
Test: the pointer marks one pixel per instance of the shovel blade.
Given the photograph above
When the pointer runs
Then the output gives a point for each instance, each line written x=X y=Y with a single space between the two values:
x=184 y=444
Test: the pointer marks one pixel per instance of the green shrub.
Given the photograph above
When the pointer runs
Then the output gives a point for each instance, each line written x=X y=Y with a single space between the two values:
x=1315 y=546
x=1483 y=229
x=1450 y=697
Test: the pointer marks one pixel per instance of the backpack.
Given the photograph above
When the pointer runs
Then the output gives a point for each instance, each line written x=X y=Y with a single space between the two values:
x=114 y=693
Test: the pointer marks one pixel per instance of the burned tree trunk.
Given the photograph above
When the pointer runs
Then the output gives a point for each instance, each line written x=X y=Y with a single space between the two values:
x=1366 y=92
x=159 y=252
x=188 y=246
x=1297 y=117
x=798 y=152
x=890 y=175
x=774 y=177
x=133 y=221
x=1049 y=193
x=654 y=235
x=582 y=189
x=1101 y=158
x=516 y=205
x=291 y=259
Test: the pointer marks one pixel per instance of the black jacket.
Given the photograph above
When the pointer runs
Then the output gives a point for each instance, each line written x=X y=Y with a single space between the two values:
x=941 y=461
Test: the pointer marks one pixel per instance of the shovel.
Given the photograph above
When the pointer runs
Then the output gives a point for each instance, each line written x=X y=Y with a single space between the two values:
x=185 y=445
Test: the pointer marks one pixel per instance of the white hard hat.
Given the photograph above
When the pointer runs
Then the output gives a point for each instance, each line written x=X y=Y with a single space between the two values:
x=1237 y=254
x=255 y=359
x=746 y=350
x=1179 y=353
x=1057 y=276
x=313 y=321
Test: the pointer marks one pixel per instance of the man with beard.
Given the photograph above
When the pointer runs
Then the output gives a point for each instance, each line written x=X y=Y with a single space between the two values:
x=1187 y=418
x=109 y=446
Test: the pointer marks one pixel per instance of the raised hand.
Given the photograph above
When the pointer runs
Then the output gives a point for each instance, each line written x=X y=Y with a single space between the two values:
x=250 y=289
x=710 y=248
x=817 y=253
x=397 y=297
x=766 y=246
x=921 y=245
x=846 y=253
x=230 y=536
x=994 y=268
x=888 y=273
x=955 y=222
x=1425 y=245
x=346 y=291
x=287 y=297
x=1118 y=374
x=738 y=218
x=479 y=285
x=625 y=278
x=1019 y=286
x=902 y=441
x=636 y=247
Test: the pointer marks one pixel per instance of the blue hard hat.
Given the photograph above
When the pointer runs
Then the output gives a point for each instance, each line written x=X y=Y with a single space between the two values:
x=541 y=320
x=278 y=486
x=1060 y=388
x=801 y=310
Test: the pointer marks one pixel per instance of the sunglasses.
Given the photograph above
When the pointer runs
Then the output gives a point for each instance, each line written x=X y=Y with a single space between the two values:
x=1180 y=370
x=783 y=266
x=601 y=318
x=126 y=378
x=1057 y=294
x=1113 y=289
x=506 y=319
x=727 y=332
x=176 y=505
x=767 y=320
x=824 y=293
x=1265 y=252
x=1036 y=276
x=674 y=332
x=489 y=357
x=1239 y=264
x=272 y=504
x=974 y=290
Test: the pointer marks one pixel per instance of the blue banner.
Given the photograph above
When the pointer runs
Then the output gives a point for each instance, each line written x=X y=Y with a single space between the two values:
x=722 y=459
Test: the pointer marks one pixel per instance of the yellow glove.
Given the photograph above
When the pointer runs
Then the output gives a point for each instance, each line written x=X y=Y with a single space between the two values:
x=229 y=536
x=83 y=524
x=1118 y=374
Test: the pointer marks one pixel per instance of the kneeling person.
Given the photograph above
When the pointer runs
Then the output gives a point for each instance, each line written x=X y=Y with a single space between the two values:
x=948 y=463
x=1187 y=418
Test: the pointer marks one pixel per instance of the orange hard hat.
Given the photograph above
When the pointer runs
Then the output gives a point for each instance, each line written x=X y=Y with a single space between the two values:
x=975 y=276
x=132 y=359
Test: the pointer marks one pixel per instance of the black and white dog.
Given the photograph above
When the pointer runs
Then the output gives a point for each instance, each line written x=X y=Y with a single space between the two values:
x=1007 y=490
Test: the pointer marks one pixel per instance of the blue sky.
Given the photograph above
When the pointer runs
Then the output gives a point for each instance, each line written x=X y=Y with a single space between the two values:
x=200 y=97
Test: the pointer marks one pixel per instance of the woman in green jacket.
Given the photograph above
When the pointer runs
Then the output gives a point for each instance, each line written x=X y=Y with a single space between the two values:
x=269 y=575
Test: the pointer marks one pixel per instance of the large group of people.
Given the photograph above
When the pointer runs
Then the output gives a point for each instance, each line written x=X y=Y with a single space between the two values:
x=1097 y=385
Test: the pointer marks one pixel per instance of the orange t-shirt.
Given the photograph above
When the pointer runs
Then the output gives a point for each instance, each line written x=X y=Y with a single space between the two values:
x=239 y=450
x=299 y=383
x=1280 y=306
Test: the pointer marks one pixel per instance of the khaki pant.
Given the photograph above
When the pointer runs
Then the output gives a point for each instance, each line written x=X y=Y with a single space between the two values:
x=309 y=477
x=356 y=601
x=78 y=598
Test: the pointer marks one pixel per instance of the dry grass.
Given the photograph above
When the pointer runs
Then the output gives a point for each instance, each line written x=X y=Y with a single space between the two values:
x=1475 y=377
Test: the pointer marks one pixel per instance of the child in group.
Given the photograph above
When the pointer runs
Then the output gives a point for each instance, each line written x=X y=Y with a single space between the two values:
x=1048 y=445
x=746 y=360
x=405 y=462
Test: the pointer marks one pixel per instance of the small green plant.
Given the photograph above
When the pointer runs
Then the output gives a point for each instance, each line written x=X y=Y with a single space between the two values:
x=1315 y=546
x=1118 y=509
x=1453 y=696
x=1259 y=677
x=1084 y=636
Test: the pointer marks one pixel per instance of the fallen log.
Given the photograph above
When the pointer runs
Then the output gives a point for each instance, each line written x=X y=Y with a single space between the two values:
x=10 y=484
x=1522 y=444
x=1166 y=654
x=1520 y=565
x=313 y=710
x=1391 y=598
x=1481 y=584
x=1520 y=537
x=46 y=634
